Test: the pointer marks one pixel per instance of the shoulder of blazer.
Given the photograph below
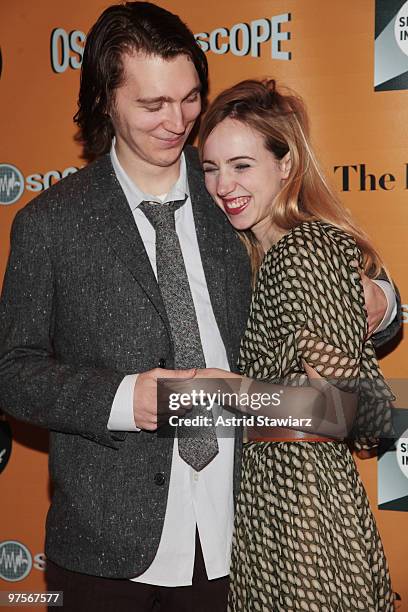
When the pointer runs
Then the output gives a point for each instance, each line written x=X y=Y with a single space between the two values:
x=195 y=175
x=75 y=190
x=192 y=158
x=211 y=223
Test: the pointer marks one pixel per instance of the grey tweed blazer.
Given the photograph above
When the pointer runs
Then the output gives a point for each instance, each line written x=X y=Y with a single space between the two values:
x=80 y=309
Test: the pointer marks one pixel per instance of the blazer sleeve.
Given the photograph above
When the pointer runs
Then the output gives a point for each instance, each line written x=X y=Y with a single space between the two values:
x=34 y=385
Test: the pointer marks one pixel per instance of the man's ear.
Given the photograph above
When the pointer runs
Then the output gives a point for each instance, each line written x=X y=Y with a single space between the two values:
x=285 y=165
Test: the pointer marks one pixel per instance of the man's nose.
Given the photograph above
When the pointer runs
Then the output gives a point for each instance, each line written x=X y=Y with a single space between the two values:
x=174 y=121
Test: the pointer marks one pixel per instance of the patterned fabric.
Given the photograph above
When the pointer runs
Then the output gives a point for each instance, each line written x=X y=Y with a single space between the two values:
x=305 y=538
x=197 y=445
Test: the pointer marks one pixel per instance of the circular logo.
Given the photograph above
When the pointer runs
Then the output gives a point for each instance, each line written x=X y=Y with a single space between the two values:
x=5 y=444
x=15 y=561
x=402 y=453
x=11 y=184
x=401 y=28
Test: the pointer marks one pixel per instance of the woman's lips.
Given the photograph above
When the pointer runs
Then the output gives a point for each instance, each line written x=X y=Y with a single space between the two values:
x=235 y=206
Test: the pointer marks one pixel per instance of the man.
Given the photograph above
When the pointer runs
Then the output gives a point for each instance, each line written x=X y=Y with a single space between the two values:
x=89 y=322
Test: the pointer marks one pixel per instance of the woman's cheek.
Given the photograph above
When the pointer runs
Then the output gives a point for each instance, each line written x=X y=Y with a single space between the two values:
x=210 y=185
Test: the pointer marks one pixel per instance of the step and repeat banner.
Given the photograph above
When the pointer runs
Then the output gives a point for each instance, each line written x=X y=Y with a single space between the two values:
x=348 y=59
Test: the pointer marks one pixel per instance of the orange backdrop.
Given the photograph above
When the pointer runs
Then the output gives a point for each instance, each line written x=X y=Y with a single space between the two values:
x=326 y=55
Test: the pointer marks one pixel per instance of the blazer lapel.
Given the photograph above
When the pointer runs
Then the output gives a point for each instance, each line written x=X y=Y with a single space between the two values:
x=211 y=242
x=115 y=220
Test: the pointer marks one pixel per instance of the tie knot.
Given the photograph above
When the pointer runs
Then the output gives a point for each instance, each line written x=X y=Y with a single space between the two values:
x=161 y=215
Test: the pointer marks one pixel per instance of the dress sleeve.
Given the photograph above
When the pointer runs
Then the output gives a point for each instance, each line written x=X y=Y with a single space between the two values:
x=323 y=302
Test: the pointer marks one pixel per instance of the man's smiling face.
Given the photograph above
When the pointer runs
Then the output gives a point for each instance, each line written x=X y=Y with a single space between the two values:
x=155 y=108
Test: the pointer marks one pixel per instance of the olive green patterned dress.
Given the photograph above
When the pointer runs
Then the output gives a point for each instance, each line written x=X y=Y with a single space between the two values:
x=305 y=537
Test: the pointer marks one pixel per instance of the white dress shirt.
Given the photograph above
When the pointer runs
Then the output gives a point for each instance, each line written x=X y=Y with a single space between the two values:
x=196 y=499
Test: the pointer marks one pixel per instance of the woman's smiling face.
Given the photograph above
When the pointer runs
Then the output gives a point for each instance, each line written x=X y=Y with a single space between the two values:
x=242 y=176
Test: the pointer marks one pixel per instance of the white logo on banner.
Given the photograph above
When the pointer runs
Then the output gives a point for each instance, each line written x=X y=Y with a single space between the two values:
x=402 y=453
x=242 y=39
x=11 y=184
x=391 y=47
x=15 y=561
x=66 y=49
x=401 y=28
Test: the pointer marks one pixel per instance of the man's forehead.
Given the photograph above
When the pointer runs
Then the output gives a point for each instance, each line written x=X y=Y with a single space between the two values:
x=154 y=69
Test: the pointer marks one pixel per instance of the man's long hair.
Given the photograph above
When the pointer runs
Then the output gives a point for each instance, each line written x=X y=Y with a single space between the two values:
x=125 y=29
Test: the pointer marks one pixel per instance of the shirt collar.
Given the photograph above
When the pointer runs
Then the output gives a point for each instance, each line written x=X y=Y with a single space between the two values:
x=136 y=196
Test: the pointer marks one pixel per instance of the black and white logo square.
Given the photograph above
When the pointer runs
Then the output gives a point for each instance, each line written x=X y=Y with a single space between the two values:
x=391 y=45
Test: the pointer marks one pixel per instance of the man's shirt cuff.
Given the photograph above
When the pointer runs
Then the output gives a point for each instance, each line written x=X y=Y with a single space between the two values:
x=122 y=417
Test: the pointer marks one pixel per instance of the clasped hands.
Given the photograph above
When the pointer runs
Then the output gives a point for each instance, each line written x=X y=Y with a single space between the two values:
x=319 y=402
x=148 y=415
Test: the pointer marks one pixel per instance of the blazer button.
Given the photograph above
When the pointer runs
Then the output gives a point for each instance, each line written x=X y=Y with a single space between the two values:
x=159 y=479
x=162 y=363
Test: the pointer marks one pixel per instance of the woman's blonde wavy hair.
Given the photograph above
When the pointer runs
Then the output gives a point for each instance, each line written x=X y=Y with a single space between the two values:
x=280 y=117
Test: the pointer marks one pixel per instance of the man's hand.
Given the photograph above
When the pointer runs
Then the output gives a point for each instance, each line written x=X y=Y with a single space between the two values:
x=145 y=396
x=207 y=382
x=376 y=303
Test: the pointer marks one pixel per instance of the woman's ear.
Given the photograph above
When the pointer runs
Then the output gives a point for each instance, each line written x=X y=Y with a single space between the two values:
x=285 y=165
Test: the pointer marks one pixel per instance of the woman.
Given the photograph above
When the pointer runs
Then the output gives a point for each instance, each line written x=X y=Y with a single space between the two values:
x=305 y=538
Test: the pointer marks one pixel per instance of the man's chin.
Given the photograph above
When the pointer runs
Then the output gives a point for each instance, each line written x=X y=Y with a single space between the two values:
x=169 y=156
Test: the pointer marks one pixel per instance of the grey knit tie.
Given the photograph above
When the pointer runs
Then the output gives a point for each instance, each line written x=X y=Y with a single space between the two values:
x=197 y=445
